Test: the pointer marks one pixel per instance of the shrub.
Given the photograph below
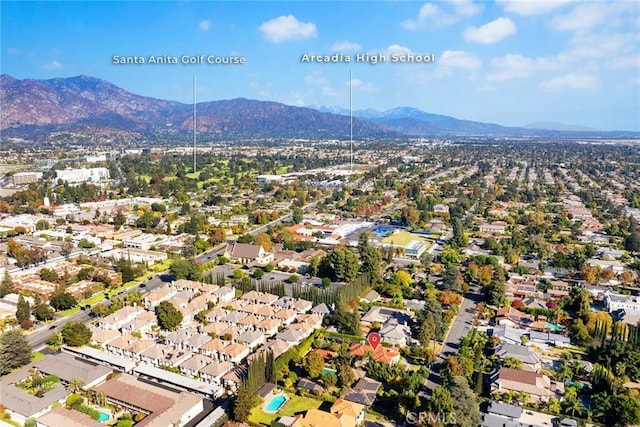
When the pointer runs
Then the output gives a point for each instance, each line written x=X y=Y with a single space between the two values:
x=93 y=413
x=74 y=400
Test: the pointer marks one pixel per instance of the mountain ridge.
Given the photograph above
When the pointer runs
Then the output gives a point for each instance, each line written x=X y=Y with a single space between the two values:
x=89 y=107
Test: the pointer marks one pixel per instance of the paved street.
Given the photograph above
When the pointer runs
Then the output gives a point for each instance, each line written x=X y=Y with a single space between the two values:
x=39 y=337
x=459 y=329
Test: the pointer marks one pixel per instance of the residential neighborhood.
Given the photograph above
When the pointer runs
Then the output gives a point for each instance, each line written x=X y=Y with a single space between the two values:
x=461 y=288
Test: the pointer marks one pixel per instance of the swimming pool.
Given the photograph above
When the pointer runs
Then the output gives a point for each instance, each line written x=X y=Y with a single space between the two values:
x=329 y=371
x=552 y=326
x=104 y=417
x=275 y=403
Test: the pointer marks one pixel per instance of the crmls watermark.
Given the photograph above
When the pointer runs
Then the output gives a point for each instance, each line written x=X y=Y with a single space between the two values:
x=430 y=419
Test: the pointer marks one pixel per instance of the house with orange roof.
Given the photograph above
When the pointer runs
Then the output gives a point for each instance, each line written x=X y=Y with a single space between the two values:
x=348 y=413
x=388 y=355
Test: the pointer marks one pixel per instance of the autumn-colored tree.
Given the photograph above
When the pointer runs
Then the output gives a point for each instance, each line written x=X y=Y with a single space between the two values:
x=606 y=275
x=216 y=235
x=485 y=273
x=452 y=367
x=589 y=274
x=264 y=240
x=626 y=278
x=598 y=318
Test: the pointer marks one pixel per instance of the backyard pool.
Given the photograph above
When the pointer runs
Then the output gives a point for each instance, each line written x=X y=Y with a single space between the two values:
x=275 y=403
x=552 y=326
x=329 y=371
x=104 y=417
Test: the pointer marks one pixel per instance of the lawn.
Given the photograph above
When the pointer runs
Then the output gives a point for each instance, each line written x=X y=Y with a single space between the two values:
x=402 y=238
x=293 y=406
x=36 y=355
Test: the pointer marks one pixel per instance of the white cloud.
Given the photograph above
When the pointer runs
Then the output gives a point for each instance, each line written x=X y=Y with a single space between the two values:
x=295 y=98
x=427 y=10
x=359 y=85
x=608 y=45
x=531 y=7
x=345 y=46
x=459 y=59
x=589 y=15
x=205 y=25
x=572 y=81
x=287 y=27
x=329 y=91
x=316 y=78
x=467 y=7
x=434 y=15
x=517 y=66
x=400 y=50
x=53 y=65
x=491 y=32
x=631 y=61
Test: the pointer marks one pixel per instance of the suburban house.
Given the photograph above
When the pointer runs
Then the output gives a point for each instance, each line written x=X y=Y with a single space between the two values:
x=512 y=317
x=244 y=253
x=388 y=355
x=538 y=387
x=164 y=406
x=532 y=362
x=495 y=227
x=395 y=333
x=364 y=392
x=615 y=302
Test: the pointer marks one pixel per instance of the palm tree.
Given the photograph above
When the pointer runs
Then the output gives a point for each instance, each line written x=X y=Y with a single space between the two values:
x=100 y=398
x=75 y=385
x=571 y=405
x=523 y=397
x=553 y=406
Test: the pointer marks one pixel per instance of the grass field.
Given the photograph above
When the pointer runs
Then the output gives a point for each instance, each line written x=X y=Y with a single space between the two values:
x=36 y=355
x=402 y=238
x=293 y=406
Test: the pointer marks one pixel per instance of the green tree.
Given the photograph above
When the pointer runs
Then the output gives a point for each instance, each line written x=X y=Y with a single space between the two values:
x=258 y=274
x=15 y=351
x=465 y=405
x=43 y=312
x=49 y=275
x=43 y=224
x=511 y=362
x=401 y=278
x=452 y=279
x=63 y=301
x=23 y=310
x=169 y=317
x=428 y=329
x=632 y=242
x=75 y=385
x=440 y=403
x=297 y=215
x=76 y=334
x=6 y=286
x=340 y=265
x=345 y=375
x=495 y=293
x=313 y=364
x=580 y=333
x=183 y=269
x=244 y=402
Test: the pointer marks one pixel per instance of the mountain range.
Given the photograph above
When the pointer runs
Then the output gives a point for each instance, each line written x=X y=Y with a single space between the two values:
x=94 y=109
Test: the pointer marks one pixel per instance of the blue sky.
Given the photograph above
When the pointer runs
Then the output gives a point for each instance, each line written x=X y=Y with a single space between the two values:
x=507 y=62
